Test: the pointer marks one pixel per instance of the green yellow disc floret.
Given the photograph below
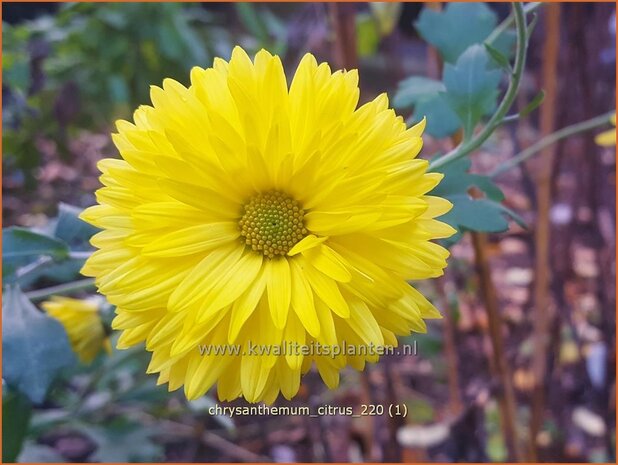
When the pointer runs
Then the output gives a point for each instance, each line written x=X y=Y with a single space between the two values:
x=272 y=223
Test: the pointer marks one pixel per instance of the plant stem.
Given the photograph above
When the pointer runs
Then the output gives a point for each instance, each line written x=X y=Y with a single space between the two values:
x=552 y=138
x=455 y=404
x=500 y=365
x=511 y=92
x=343 y=17
x=504 y=25
x=32 y=267
x=542 y=310
x=61 y=289
x=80 y=255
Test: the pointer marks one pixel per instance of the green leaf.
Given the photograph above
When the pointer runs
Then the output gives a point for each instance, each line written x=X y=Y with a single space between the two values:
x=16 y=412
x=501 y=60
x=35 y=347
x=474 y=214
x=123 y=441
x=505 y=43
x=412 y=90
x=428 y=98
x=21 y=246
x=533 y=105
x=455 y=28
x=71 y=229
x=442 y=121
x=471 y=87
x=479 y=215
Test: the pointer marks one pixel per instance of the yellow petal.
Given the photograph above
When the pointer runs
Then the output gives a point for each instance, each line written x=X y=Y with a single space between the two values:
x=191 y=240
x=279 y=287
x=245 y=305
x=327 y=289
x=306 y=243
x=607 y=138
x=329 y=262
x=302 y=300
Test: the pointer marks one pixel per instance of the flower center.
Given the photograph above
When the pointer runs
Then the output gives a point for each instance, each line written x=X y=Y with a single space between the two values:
x=272 y=223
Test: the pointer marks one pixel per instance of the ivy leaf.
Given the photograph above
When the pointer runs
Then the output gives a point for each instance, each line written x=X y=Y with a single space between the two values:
x=474 y=214
x=471 y=88
x=455 y=28
x=35 y=347
x=428 y=98
x=16 y=412
x=21 y=246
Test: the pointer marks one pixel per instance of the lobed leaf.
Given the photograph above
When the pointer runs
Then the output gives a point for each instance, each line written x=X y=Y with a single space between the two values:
x=21 y=246
x=471 y=87
x=450 y=33
x=35 y=347
x=427 y=96
x=474 y=214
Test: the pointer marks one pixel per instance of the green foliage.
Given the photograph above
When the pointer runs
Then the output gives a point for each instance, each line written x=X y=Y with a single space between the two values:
x=123 y=441
x=470 y=80
x=64 y=234
x=115 y=50
x=471 y=88
x=68 y=227
x=533 y=105
x=21 y=246
x=499 y=58
x=94 y=63
x=38 y=453
x=415 y=89
x=428 y=97
x=377 y=23
x=267 y=30
x=467 y=92
x=485 y=214
x=16 y=412
x=460 y=25
x=35 y=346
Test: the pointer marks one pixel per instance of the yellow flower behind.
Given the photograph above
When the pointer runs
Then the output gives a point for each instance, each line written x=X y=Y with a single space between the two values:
x=82 y=323
x=248 y=213
x=607 y=138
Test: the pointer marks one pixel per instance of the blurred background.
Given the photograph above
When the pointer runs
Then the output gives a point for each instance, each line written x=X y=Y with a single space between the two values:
x=479 y=388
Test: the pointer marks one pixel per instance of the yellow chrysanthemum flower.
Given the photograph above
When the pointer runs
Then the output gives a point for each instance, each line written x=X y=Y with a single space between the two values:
x=607 y=138
x=246 y=213
x=82 y=323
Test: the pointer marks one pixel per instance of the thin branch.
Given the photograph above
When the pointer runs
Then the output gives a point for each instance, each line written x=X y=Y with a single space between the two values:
x=499 y=362
x=32 y=267
x=509 y=20
x=552 y=138
x=78 y=255
x=542 y=311
x=61 y=289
